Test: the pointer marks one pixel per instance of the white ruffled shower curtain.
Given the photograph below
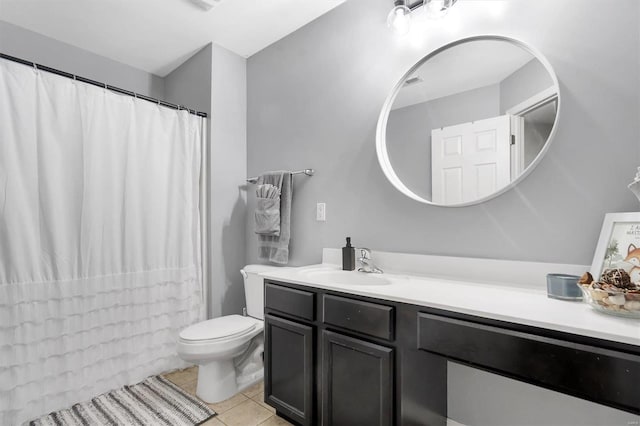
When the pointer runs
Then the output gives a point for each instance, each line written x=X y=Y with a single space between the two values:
x=100 y=263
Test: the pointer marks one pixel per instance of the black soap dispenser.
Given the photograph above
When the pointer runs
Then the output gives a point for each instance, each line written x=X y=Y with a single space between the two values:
x=348 y=256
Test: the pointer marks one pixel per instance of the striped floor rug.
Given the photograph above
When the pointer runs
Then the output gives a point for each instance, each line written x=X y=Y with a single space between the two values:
x=154 y=401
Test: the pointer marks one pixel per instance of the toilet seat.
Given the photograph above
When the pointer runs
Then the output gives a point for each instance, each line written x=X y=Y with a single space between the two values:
x=218 y=329
x=218 y=339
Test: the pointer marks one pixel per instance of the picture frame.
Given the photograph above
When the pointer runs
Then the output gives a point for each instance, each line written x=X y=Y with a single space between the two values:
x=618 y=245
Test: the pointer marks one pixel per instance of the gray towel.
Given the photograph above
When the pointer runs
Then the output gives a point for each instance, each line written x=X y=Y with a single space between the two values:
x=267 y=214
x=275 y=249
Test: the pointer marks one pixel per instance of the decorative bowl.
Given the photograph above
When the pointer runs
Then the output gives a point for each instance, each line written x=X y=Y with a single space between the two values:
x=620 y=303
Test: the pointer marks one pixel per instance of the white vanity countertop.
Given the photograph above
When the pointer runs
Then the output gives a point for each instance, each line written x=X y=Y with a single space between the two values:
x=516 y=304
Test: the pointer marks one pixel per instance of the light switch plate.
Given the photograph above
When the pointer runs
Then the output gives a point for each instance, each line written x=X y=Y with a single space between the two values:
x=321 y=212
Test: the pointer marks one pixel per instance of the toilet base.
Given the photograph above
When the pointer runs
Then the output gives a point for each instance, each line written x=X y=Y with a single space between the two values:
x=249 y=380
x=216 y=381
x=215 y=384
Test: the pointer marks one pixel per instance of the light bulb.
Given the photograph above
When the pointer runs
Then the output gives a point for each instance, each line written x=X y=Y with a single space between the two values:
x=399 y=19
x=436 y=9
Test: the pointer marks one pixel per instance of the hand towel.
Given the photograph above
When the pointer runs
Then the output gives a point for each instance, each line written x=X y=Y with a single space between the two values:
x=275 y=248
x=267 y=214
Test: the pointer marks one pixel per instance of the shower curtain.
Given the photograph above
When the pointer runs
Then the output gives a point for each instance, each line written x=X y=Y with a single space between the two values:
x=100 y=257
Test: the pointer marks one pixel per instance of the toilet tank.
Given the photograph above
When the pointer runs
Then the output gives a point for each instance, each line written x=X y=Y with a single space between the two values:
x=254 y=288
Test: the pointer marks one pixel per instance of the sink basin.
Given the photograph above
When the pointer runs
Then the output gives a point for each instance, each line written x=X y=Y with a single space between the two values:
x=332 y=276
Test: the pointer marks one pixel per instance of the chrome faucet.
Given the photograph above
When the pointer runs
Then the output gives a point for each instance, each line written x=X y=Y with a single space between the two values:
x=366 y=263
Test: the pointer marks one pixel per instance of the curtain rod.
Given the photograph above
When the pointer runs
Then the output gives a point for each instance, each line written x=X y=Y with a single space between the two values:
x=104 y=85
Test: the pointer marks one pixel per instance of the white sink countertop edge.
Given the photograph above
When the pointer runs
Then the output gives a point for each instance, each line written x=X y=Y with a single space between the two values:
x=500 y=301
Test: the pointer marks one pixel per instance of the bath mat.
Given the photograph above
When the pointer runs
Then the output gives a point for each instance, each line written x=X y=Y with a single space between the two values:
x=154 y=401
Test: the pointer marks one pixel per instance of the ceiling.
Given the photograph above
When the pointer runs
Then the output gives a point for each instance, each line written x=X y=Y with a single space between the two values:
x=159 y=35
x=461 y=68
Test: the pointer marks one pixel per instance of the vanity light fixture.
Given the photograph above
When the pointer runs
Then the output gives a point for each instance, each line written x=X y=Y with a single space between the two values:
x=399 y=19
x=436 y=9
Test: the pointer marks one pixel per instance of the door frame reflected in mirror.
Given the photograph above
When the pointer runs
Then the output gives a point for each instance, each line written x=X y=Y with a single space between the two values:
x=518 y=112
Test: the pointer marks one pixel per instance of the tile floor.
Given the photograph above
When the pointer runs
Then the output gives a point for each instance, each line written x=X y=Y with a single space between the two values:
x=246 y=408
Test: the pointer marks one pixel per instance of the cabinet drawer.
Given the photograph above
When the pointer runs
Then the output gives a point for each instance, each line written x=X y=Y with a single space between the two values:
x=291 y=301
x=363 y=317
x=602 y=375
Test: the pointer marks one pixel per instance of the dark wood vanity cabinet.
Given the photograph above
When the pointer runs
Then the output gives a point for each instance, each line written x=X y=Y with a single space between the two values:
x=329 y=359
x=357 y=381
x=289 y=368
x=604 y=372
x=339 y=359
x=289 y=352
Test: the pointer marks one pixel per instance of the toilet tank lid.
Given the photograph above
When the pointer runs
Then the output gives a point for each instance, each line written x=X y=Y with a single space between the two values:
x=227 y=326
x=256 y=269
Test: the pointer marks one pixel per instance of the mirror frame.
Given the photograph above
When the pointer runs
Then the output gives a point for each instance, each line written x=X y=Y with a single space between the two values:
x=381 y=131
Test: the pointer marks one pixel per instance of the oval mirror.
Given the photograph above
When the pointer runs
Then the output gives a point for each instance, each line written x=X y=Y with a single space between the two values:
x=468 y=121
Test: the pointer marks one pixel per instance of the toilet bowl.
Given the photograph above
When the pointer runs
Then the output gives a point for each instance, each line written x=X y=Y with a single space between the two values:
x=213 y=345
x=228 y=349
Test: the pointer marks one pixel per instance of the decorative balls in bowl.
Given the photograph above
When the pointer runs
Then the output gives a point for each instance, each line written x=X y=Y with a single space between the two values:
x=613 y=294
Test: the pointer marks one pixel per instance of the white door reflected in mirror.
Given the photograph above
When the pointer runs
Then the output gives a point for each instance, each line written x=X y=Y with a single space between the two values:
x=470 y=161
x=468 y=121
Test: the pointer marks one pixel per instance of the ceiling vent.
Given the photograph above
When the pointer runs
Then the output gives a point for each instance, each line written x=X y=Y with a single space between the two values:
x=412 y=81
x=206 y=4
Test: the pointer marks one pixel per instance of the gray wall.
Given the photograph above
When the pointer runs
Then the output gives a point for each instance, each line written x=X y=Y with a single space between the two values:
x=314 y=99
x=190 y=83
x=22 y=43
x=214 y=81
x=528 y=80
x=228 y=179
x=409 y=131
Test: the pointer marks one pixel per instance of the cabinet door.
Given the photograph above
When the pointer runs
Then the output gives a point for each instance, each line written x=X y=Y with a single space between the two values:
x=288 y=368
x=357 y=386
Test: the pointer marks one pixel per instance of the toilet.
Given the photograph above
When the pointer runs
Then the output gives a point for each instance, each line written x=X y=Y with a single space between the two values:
x=228 y=350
